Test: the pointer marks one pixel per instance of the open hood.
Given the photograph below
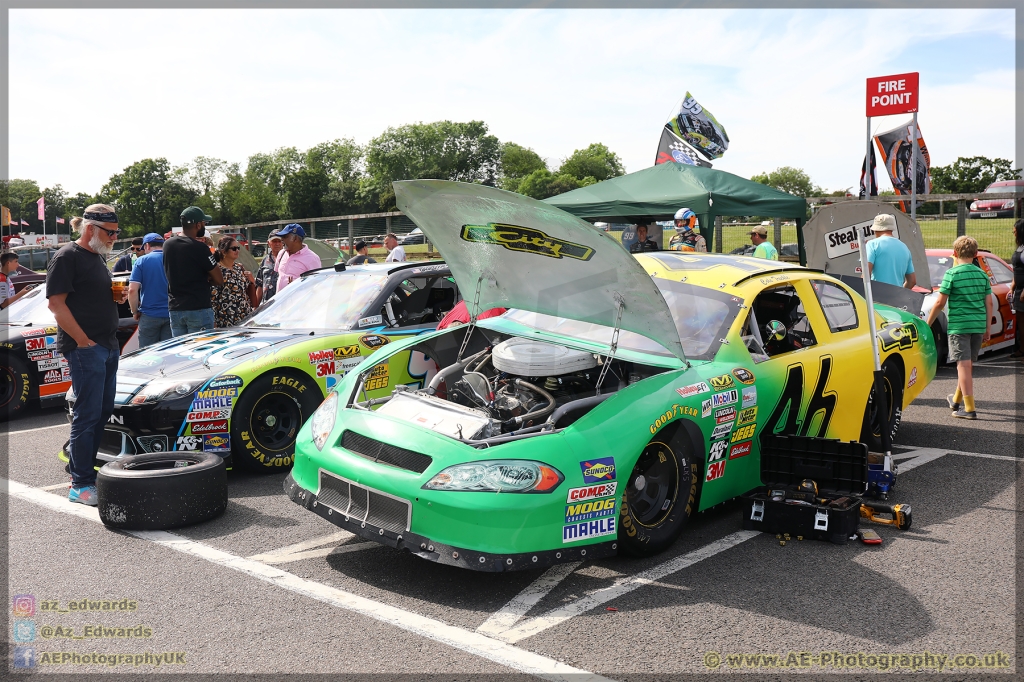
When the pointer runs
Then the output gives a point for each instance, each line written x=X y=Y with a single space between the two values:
x=522 y=253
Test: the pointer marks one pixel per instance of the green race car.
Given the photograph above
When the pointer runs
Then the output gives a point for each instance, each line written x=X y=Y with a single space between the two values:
x=617 y=398
x=243 y=392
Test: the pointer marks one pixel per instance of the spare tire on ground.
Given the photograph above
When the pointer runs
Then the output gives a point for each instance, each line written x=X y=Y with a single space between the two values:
x=162 y=490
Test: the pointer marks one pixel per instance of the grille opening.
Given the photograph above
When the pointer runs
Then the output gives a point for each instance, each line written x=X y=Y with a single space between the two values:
x=384 y=453
x=364 y=504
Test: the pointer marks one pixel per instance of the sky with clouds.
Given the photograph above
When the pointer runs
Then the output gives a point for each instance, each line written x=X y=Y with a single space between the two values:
x=92 y=91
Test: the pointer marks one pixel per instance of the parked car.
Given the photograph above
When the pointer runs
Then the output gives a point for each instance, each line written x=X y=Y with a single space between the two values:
x=1000 y=276
x=789 y=252
x=414 y=237
x=996 y=208
x=35 y=257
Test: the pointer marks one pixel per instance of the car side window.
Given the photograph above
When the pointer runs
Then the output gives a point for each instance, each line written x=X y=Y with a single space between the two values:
x=1001 y=273
x=420 y=301
x=836 y=304
x=777 y=324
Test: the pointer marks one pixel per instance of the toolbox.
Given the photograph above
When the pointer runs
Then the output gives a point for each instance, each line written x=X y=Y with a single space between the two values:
x=783 y=505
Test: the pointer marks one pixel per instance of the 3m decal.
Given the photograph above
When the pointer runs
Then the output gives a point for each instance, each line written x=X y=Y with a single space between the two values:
x=721 y=382
x=526 y=240
x=902 y=336
x=207 y=415
x=912 y=379
x=590 y=510
x=717 y=450
x=743 y=375
x=325 y=369
x=346 y=352
x=210 y=427
x=724 y=415
x=227 y=381
x=216 y=442
x=589 y=529
x=785 y=418
x=741 y=449
x=723 y=399
x=715 y=470
x=744 y=432
x=369 y=321
x=188 y=443
x=706 y=407
x=378 y=378
x=597 y=470
x=38 y=343
x=675 y=411
x=749 y=396
x=721 y=431
x=693 y=389
x=374 y=340
x=591 y=492
x=747 y=416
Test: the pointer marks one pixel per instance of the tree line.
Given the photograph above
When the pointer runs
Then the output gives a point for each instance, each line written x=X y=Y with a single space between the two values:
x=338 y=177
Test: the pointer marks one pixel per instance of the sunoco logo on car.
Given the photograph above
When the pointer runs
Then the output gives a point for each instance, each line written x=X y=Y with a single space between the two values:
x=597 y=470
x=525 y=239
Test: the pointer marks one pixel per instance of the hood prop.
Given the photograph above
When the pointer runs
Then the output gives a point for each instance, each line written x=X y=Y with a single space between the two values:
x=613 y=346
x=474 y=311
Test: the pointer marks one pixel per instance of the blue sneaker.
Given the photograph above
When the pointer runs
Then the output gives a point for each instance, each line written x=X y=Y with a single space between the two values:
x=86 y=494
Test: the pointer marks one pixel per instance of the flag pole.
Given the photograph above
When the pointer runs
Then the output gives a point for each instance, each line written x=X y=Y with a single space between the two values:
x=913 y=171
x=867 y=165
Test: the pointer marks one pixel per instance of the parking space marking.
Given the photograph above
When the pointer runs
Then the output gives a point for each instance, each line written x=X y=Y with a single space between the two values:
x=622 y=586
x=465 y=640
x=922 y=456
x=304 y=550
x=55 y=486
x=40 y=428
x=520 y=605
x=1005 y=458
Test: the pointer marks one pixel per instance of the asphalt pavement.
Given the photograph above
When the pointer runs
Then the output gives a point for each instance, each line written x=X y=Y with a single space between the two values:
x=271 y=588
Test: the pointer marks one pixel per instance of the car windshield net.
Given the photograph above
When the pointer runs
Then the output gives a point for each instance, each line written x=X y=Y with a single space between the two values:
x=30 y=309
x=702 y=317
x=323 y=301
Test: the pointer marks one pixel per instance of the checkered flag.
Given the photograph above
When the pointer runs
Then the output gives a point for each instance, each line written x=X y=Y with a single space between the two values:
x=673 y=148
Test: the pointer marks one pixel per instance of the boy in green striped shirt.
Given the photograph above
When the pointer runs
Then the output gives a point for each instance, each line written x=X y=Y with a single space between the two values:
x=967 y=288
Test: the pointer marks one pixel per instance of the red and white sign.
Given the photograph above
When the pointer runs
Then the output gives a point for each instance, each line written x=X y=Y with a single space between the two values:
x=209 y=427
x=889 y=95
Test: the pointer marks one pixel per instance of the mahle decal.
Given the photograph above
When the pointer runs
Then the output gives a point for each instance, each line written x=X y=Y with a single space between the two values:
x=525 y=239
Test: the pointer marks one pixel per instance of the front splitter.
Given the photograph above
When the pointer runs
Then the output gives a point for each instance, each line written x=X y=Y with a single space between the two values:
x=441 y=553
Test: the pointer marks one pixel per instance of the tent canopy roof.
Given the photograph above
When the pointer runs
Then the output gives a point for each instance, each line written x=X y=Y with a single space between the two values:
x=658 y=192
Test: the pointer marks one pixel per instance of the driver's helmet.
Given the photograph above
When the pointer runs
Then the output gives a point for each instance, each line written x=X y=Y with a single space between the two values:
x=687 y=215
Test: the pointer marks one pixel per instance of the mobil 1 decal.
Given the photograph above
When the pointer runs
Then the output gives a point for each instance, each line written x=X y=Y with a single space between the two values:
x=786 y=418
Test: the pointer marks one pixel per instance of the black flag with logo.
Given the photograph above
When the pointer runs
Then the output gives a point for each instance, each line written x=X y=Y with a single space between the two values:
x=874 y=176
x=673 y=148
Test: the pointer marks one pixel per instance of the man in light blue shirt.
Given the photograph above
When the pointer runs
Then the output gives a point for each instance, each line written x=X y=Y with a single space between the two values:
x=889 y=259
x=147 y=292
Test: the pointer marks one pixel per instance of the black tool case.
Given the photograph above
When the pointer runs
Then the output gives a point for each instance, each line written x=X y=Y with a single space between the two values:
x=839 y=469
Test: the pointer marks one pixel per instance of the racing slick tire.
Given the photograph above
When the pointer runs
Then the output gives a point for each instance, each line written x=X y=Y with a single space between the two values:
x=871 y=432
x=660 y=497
x=15 y=386
x=162 y=490
x=267 y=417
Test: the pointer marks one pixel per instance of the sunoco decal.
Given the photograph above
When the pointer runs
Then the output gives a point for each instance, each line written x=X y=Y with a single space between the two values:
x=217 y=442
x=526 y=240
x=592 y=509
x=598 y=470
x=589 y=529
x=591 y=492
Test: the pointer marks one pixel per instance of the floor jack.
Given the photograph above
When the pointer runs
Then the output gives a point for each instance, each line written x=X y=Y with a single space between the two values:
x=881 y=475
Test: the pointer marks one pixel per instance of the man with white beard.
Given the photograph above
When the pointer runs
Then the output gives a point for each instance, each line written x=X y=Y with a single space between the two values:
x=79 y=289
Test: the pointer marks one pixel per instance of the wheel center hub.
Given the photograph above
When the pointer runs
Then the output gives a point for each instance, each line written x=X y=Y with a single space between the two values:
x=271 y=420
x=640 y=482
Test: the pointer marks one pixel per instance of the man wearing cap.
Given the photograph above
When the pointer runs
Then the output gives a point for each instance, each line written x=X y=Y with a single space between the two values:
x=266 y=278
x=762 y=247
x=295 y=258
x=147 y=292
x=643 y=243
x=889 y=259
x=190 y=268
x=685 y=238
x=362 y=255
x=127 y=259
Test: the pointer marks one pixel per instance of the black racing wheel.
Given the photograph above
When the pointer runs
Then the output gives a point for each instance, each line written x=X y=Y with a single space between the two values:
x=15 y=386
x=871 y=430
x=660 y=497
x=267 y=417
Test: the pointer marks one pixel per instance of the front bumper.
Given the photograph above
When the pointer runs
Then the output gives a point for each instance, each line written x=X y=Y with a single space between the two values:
x=360 y=523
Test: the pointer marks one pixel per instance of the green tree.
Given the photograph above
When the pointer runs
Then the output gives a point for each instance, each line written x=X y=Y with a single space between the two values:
x=444 y=150
x=971 y=174
x=596 y=161
x=516 y=163
x=542 y=183
x=261 y=194
x=790 y=180
x=149 y=196
x=20 y=196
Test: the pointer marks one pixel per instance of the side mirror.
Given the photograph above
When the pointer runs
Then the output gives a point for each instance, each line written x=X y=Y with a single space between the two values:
x=775 y=331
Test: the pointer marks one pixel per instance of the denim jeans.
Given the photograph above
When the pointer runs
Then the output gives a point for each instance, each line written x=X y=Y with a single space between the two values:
x=153 y=330
x=188 y=321
x=94 y=379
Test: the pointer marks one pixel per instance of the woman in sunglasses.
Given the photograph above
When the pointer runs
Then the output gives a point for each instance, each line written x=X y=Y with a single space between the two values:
x=231 y=302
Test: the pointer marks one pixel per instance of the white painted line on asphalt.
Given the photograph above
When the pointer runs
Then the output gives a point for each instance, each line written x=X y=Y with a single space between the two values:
x=55 y=486
x=923 y=456
x=450 y=635
x=1006 y=458
x=520 y=605
x=40 y=428
x=307 y=544
x=279 y=558
x=622 y=586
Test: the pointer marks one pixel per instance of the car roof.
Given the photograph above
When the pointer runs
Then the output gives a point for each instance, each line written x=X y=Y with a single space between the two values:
x=984 y=253
x=712 y=269
x=390 y=268
x=1006 y=183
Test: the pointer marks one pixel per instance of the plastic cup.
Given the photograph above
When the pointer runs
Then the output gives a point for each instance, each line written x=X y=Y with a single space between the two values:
x=118 y=286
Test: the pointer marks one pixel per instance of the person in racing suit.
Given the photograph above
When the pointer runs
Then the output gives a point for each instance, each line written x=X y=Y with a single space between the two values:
x=685 y=238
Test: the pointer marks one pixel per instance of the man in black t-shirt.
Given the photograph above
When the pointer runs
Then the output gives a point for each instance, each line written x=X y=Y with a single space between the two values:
x=79 y=289
x=190 y=268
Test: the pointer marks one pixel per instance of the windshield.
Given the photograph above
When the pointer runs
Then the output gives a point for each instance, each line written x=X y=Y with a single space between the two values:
x=30 y=308
x=702 y=318
x=324 y=301
x=937 y=266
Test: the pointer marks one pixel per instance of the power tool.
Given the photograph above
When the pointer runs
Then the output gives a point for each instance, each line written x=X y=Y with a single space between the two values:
x=900 y=514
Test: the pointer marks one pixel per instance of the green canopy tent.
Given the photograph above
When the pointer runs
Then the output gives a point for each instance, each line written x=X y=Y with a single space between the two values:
x=658 y=192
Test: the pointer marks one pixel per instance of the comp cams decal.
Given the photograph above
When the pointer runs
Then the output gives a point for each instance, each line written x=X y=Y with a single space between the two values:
x=526 y=240
x=598 y=470
x=591 y=492
x=207 y=415
x=693 y=389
